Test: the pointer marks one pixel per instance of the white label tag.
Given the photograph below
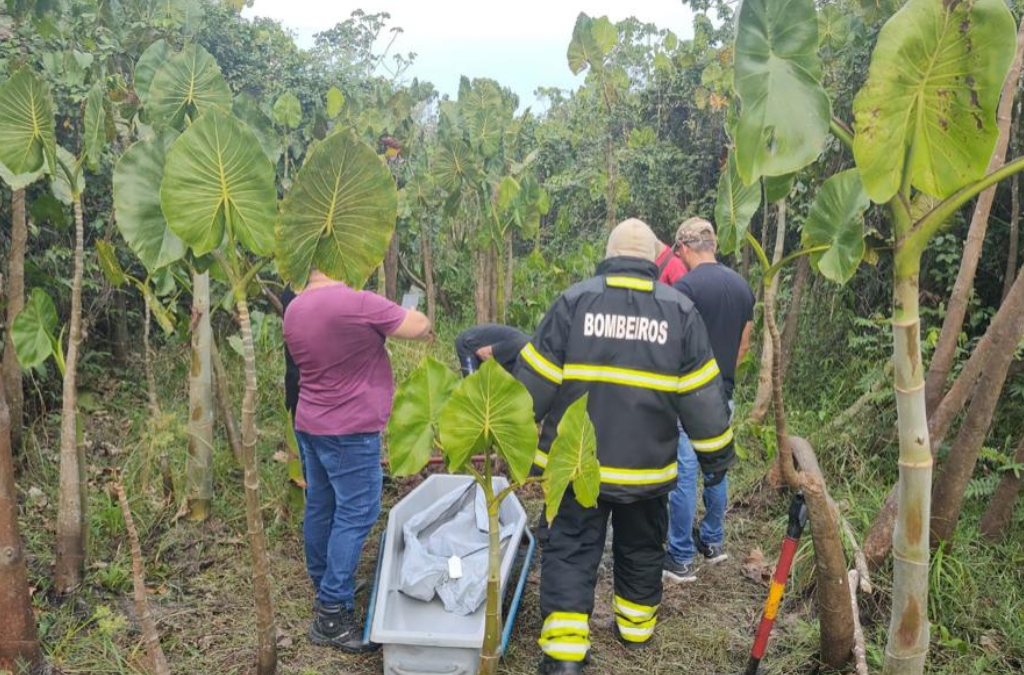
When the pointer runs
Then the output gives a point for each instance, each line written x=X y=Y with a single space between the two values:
x=455 y=567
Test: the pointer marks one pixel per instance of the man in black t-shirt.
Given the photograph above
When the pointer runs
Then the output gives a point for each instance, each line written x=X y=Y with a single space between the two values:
x=726 y=304
x=475 y=345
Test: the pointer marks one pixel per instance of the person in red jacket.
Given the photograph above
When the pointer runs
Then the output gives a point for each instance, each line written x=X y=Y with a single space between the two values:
x=670 y=267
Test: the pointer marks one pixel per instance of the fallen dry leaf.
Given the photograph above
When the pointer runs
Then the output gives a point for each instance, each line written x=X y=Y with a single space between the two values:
x=756 y=568
x=37 y=497
x=280 y=456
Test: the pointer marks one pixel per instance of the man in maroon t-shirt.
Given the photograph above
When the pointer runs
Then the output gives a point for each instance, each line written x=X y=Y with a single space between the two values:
x=336 y=335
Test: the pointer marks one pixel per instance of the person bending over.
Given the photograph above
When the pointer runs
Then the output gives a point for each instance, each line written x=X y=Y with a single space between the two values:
x=475 y=345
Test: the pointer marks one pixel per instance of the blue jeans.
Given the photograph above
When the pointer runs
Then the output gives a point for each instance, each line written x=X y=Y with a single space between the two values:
x=683 y=507
x=343 y=485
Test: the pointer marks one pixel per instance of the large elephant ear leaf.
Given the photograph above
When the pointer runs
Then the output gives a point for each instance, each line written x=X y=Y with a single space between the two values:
x=454 y=166
x=573 y=459
x=490 y=408
x=95 y=127
x=785 y=111
x=188 y=84
x=21 y=180
x=247 y=109
x=413 y=424
x=217 y=180
x=137 y=179
x=288 y=110
x=836 y=220
x=27 y=137
x=339 y=215
x=585 y=49
x=33 y=330
x=933 y=84
x=735 y=206
x=150 y=61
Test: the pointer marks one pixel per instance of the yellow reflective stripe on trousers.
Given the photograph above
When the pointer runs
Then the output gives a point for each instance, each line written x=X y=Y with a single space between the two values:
x=635 y=622
x=642 y=378
x=630 y=282
x=699 y=377
x=712 y=444
x=616 y=476
x=636 y=612
x=565 y=636
x=540 y=364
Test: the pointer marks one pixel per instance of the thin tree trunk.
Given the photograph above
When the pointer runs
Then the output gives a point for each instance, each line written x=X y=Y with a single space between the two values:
x=494 y=280
x=149 y=633
x=1011 y=249
x=71 y=522
x=427 y=251
x=879 y=538
x=15 y=303
x=907 y=645
x=609 y=194
x=492 y=622
x=224 y=405
x=792 y=322
x=860 y=657
x=956 y=309
x=119 y=323
x=19 y=644
x=480 y=293
x=509 y=271
x=199 y=468
x=154 y=401
x=763 y=398
x=266 y=632
x=948 y=494
x=391 y=269
x=996 y=520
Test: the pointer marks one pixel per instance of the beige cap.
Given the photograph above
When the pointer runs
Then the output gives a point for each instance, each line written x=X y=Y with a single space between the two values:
x=694 y=230
x=632 y=238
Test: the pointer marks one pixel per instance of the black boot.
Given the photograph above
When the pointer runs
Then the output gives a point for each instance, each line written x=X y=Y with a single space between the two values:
x=550 y=666
x=335 y=626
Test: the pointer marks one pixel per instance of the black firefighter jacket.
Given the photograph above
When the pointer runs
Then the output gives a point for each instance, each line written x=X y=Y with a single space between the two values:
x=641 y=350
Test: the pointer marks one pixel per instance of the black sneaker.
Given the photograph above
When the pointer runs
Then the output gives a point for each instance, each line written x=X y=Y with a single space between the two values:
x=550 y=666
x=678 y=573
x=335 y=626
x=713 y=553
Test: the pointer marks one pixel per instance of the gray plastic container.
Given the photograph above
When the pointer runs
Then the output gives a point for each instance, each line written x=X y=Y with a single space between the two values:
x=421 y=638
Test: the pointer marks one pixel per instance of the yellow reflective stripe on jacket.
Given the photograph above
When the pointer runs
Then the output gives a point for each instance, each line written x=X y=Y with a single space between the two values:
x=698 y=378
x=565 y=636
x=624 y=376
x=616 y=476
x=630 y=282
x=712 y=444
x=541 y=365
x=641 y=378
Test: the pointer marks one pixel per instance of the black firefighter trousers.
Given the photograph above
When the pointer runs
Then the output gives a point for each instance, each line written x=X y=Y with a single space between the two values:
x=569 y=572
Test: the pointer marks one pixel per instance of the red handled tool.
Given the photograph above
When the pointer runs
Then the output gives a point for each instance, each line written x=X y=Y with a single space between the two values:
x=797 y=521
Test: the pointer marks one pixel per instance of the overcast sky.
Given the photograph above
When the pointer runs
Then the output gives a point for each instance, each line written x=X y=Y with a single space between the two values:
x=520 y=43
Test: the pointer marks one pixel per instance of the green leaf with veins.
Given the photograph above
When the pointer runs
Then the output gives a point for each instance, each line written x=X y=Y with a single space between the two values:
x=187 y=85
x=412 y=427
x=27 y=136
x=573 y=459
x=836 y=219
x=735 y=206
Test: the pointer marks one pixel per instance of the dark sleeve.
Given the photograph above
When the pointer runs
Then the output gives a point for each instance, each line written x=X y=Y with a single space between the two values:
x=703 y=408
x=507 y=350
x=542 y=358
x=683 y=286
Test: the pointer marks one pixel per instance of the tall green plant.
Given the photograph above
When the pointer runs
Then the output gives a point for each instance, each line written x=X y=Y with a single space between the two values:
x=490 y=413
x=925 y=129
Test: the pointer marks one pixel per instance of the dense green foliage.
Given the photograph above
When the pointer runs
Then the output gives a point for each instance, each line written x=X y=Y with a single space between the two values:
x=511 y=203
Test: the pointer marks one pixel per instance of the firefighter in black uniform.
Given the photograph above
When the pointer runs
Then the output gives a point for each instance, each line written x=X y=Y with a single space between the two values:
x=641 y=350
